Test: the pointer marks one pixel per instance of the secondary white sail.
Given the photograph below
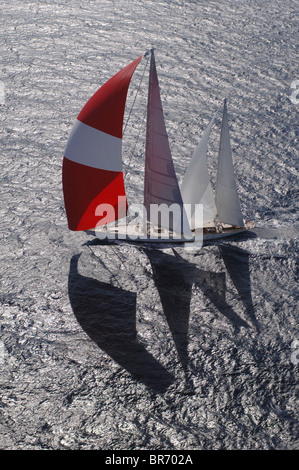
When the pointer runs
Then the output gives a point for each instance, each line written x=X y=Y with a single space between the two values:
x=227 y=200
x=196 y=187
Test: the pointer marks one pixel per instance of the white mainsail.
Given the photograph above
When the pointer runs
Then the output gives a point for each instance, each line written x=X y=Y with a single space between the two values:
x=196 y=187
x=160 y=181
x=227 y=200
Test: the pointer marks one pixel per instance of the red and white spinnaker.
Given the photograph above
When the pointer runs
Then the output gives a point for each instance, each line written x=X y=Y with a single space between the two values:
x=92 y=165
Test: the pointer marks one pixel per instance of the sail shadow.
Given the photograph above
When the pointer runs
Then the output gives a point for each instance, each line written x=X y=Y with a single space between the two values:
x=108 y=316
x=213 y=286
x=175 y=291
x=174 y=277
x=236 y=262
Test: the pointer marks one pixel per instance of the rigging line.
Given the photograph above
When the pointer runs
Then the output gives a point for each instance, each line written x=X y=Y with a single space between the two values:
x=105 y=267
x=114 y=276
x=131 y=275
x=136 y=141
x=137 y=91
x=123 y=262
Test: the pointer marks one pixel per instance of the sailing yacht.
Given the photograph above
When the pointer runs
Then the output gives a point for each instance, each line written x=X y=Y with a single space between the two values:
x=93 y=182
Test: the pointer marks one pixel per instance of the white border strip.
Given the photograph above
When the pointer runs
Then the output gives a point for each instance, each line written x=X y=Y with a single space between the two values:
x=94 y=148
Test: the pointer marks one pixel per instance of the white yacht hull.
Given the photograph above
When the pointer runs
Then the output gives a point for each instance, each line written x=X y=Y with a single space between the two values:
x=131 y=234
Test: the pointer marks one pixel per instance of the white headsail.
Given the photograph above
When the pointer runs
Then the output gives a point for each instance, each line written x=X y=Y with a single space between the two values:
x=196 y=187
x=227 y=200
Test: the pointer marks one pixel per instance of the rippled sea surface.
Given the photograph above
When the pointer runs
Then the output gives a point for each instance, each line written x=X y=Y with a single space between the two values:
x=138 y=347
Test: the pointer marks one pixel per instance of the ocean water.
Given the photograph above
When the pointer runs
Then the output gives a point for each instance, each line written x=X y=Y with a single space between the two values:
x=127 y=347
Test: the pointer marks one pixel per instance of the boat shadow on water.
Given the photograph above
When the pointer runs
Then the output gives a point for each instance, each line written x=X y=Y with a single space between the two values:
x=108 y=313
x=236 y=262
x=175 y=277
